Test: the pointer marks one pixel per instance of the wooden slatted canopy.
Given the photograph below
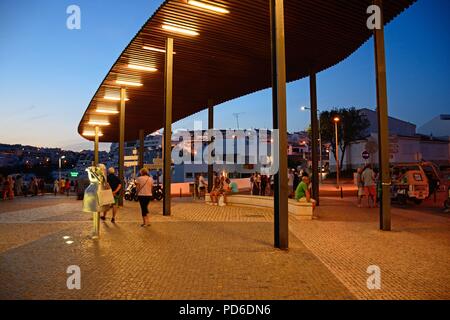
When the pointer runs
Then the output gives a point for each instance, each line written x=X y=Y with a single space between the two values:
x=230 y=57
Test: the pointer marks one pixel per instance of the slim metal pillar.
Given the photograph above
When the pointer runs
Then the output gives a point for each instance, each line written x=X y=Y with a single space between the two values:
x=314 y=137
x=122 y=139
x=383 y=124
x=141 y=148
x=210 y=126
x=96 y=140
x=279 y=123
x=167 y=158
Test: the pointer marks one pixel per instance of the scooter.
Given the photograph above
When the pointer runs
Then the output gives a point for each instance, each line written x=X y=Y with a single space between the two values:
x=131 y=192
x=157 y=192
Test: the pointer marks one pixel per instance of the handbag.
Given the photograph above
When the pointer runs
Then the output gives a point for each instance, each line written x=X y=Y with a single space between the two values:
x=105 y=197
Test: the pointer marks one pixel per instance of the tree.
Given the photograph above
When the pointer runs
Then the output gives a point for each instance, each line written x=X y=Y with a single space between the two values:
x=351 y=127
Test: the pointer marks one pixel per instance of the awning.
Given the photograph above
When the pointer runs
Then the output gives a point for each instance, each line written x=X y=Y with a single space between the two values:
x=226 y=56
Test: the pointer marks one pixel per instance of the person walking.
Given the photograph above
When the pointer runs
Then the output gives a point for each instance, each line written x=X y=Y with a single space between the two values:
x=202 y=186
x=290 y=182
x=368 y=179
x=360 y=185
x=256 y=184
x=144 y=185
x=216 y=191
x=6 y=184
x=56 y=187
x=67 y=187
x=19 y=185
x=264 y=181
x=116 y=187
x=62 y=185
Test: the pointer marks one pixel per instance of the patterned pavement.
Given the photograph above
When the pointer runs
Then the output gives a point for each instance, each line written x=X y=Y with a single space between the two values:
x=204 y=252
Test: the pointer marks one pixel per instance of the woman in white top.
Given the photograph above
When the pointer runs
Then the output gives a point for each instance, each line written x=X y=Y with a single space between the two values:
x=144 y=185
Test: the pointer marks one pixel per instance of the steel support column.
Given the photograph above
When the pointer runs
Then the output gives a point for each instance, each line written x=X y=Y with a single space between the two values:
x=383 y=125
x=315 y=137
x=279 y=123
x=96 y=140
x=122 y=139
x=141 y=148
x=167 y=158
x=210 y=126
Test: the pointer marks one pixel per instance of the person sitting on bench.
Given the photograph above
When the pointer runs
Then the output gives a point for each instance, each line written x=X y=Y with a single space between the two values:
x=303 y=193
x=217 y=190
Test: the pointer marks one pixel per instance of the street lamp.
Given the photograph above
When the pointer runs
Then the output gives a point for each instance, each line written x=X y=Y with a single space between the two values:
x=62 y=157
x=336 y=121
x=303 y=108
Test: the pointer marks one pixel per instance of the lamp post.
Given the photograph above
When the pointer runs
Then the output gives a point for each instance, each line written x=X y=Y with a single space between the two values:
x=336 y=121
x=62 y=157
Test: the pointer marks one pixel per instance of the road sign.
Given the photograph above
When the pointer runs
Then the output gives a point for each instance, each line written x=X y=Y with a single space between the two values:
x=365 y=155
x=152 y=166
x=131 y=158
x=131 y=164
x=74 y=174
x=158 y=161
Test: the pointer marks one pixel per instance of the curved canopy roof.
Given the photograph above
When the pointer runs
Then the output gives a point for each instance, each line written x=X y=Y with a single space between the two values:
x=229 y=56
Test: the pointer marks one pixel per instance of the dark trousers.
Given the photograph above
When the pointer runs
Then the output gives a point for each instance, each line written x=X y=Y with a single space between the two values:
x=144 y=201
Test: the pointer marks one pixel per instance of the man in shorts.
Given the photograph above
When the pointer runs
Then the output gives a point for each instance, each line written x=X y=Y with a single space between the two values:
x=116 y=187
x=368 y=179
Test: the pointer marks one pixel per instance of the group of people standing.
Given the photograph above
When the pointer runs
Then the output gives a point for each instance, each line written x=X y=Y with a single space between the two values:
x=64 y=186
x=16 y=186
x=367 y=180
x=7 y=184
x=261 y=185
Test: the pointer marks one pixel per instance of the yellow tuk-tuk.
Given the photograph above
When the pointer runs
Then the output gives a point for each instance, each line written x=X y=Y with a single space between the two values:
x=409 y=182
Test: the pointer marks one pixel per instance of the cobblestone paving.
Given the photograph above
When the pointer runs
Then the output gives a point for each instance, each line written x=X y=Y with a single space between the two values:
x=204 y=252
x=221 y=253
x=414 y=258
x=33 y=202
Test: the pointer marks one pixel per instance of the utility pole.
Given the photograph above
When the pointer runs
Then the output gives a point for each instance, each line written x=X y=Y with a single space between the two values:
x=236 y=115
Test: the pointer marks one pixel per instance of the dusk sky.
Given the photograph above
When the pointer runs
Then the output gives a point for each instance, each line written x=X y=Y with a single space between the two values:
x=49 y=73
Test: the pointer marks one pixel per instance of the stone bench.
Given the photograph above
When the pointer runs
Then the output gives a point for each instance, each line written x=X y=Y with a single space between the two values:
x=300 y=210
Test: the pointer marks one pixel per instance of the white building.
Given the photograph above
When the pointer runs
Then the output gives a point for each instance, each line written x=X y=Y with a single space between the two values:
x=405 y=145
x=439 y=126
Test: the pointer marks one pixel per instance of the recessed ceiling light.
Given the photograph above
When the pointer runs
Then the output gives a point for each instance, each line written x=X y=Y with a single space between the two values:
x=155 y=49
x=208 y=6
x=106 y=111
x=129 y=83
x=91 y=134
x=99 y=123
x=114 y=98
x=136 y=67
x=176 y=29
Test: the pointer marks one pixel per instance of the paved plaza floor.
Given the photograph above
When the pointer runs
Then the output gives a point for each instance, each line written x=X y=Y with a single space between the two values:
x=205 y=252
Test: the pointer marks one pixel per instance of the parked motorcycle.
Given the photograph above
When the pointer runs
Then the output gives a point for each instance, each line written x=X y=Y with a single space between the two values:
x=131 y=192
x=158 y=193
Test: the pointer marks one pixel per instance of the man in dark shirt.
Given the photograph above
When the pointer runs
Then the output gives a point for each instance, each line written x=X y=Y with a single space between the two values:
x=116 y=186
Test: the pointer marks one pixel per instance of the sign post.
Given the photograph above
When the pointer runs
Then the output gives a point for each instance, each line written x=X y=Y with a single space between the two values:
x=365 y=155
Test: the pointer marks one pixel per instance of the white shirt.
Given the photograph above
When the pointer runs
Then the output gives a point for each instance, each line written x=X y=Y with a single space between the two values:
x=144 y=185
x=290 y=179
x=201 y=181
